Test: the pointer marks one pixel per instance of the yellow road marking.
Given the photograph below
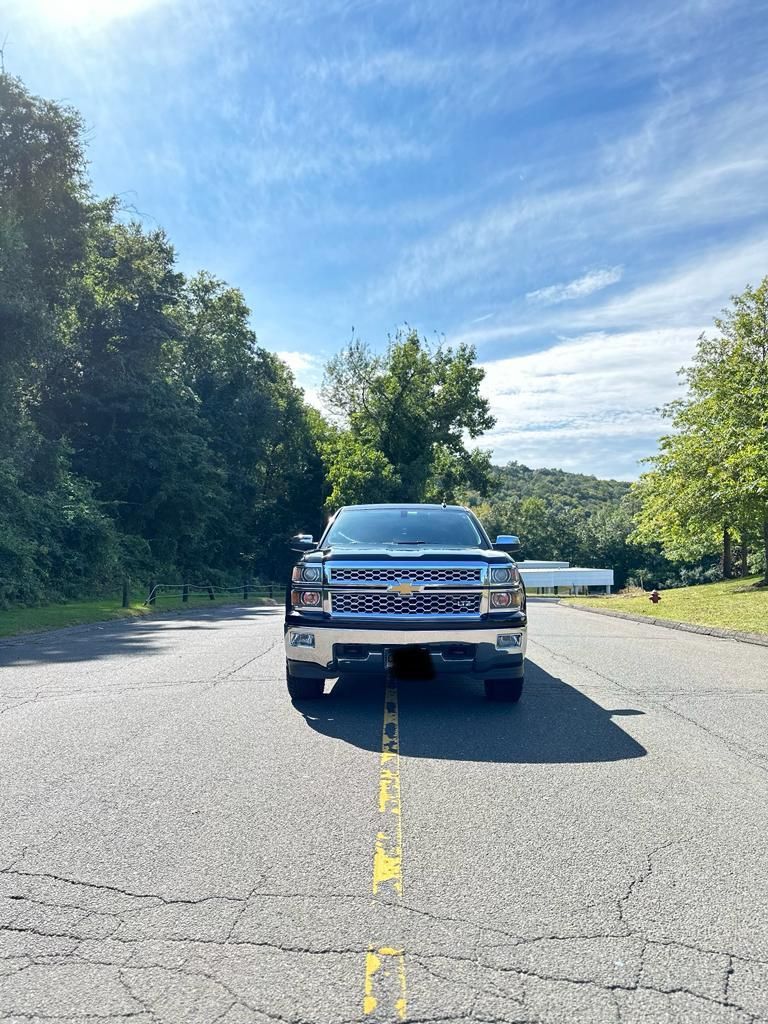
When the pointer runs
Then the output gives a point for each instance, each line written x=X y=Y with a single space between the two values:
x=384 y=982
x=385 y=993
x=388 y=852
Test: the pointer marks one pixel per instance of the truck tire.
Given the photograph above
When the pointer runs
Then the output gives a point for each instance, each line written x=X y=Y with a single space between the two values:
x=304 y=689
x=508 y=690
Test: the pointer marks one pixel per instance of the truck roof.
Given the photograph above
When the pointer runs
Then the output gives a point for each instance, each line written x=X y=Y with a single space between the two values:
x=405 y=504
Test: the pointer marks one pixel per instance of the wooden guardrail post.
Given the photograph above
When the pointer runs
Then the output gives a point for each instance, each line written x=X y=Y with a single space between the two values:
x=152 y=592
x=185 y=592
x=126 y=592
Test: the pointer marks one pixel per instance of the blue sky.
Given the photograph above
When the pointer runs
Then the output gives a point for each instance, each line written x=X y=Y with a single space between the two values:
x=576 y=188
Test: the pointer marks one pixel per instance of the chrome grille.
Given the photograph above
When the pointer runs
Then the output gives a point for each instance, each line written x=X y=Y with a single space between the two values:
x=413 y=574
x=381 y=603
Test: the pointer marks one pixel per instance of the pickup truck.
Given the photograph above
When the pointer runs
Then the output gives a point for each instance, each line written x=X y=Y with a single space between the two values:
x=387 y=583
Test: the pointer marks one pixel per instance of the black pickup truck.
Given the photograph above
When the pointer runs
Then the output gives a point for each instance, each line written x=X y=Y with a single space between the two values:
x=387 y=581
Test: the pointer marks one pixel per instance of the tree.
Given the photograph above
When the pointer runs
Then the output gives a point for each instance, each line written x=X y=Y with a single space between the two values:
x=262 y=435
x=54 y=539
x=711 y=476
x=414 y=406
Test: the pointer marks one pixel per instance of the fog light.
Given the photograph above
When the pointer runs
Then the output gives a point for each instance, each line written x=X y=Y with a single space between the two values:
x=509 y=641
x=301 y=639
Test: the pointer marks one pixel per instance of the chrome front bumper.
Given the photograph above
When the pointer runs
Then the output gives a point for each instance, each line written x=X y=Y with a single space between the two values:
x=485 y=656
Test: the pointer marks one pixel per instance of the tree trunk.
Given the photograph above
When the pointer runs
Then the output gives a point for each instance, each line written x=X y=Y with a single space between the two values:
x=765 y=550
x=727 y=561
x=744 y=554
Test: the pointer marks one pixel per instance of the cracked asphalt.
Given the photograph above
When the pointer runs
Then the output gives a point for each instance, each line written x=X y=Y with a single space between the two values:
x=180 y=844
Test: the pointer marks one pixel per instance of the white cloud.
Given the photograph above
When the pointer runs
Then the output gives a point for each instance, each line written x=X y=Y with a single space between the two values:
x=302 y=362
x=594 y=281
x=586 y=403
x=308 y=371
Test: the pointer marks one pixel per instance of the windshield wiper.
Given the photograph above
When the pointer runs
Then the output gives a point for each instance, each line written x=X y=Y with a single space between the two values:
x=410 y=542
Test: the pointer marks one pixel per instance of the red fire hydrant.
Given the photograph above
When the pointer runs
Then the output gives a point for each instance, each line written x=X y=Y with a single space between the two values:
x=655 y=596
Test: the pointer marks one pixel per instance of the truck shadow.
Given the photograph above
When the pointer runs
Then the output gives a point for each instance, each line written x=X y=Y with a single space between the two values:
x=449 y=718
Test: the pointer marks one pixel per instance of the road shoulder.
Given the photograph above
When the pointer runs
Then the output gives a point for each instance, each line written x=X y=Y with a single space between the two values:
x=687 y=627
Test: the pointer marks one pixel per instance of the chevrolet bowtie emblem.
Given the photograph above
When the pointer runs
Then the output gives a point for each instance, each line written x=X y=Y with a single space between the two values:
x=405 y=589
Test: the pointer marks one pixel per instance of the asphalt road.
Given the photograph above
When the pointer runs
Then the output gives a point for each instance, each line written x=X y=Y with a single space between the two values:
x=180 y=844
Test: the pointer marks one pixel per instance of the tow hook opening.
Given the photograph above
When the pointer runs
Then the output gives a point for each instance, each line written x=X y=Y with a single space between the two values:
x=352 y=652
x=458 y=652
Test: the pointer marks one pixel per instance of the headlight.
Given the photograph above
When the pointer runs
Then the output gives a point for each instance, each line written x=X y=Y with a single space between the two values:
x=307 y=573
x=505 y=574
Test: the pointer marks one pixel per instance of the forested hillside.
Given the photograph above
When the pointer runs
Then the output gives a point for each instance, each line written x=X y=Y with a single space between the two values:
x=557 y=486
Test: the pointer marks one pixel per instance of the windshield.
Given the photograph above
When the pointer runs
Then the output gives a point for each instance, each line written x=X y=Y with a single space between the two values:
x=406 y=527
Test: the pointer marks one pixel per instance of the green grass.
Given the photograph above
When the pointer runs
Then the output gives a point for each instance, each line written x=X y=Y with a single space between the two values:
x=733 y=604
x=15 y=621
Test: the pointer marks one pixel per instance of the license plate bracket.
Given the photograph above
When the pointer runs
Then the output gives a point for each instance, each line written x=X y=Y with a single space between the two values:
x=409 y=662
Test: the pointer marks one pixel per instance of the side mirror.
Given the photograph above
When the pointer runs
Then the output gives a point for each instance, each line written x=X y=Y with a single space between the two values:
x=507 y=542
x=302 y=542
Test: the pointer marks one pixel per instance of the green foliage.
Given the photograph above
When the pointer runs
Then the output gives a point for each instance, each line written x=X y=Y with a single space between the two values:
x=562 y=516
x=410 y=410
x=557 y=486
x=143 y=430
x=710 y=478
x=356 y=472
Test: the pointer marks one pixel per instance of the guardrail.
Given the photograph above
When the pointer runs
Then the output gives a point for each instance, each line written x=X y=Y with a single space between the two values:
x=245 y=590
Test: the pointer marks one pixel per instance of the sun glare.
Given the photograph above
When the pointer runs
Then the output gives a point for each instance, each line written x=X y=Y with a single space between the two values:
x=79 y=12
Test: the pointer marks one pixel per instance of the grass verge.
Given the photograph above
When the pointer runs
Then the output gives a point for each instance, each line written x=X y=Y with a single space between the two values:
x=17 y=621
x=731 y=604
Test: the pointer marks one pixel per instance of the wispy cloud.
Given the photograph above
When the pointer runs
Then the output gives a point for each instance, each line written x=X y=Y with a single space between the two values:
x=692 y=292
x=594 y=281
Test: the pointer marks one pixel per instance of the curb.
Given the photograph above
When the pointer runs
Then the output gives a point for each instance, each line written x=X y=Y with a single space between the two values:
x=761 y=639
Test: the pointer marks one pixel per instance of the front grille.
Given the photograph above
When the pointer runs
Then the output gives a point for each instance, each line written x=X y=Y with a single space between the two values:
x=382 y=603
x=413 y=574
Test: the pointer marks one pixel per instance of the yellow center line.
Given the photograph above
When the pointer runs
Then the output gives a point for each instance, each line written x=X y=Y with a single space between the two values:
x=384 y=992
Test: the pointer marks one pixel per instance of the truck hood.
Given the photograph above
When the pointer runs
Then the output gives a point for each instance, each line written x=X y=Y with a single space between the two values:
x=405 y=553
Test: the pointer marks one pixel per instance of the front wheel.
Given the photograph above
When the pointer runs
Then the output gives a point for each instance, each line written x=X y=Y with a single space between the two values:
x=304 y=689
x=508 y=690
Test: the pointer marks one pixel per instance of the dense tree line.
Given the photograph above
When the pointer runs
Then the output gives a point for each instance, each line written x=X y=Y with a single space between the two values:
x=143 y=429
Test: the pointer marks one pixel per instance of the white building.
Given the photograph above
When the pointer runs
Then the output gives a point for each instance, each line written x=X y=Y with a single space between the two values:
x=562 y=578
